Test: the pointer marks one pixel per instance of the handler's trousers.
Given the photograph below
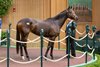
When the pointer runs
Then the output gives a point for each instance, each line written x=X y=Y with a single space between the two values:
x=72 y=47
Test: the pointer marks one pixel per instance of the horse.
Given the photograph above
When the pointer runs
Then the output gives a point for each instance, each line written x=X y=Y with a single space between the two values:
x=51 y=27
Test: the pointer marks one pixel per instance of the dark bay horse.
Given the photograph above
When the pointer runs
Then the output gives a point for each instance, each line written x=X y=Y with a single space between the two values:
x=51 y=27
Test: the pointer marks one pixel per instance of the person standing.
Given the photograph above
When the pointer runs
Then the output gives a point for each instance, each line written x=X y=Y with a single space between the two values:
x=71 y=27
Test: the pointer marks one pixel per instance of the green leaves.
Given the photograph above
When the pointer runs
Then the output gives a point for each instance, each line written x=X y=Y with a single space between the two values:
x=3 y=35
x=4 y=6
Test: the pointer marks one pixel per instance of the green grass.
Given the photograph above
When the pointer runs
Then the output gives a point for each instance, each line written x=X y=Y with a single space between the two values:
x=95 y=64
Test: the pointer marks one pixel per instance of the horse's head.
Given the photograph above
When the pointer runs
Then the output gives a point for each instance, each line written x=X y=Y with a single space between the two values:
x=71 y=14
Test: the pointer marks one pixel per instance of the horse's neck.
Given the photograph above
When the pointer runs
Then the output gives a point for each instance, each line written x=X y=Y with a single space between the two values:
x=60 y=19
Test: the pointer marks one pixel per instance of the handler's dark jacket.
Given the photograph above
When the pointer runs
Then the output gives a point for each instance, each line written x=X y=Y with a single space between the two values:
x=71 y=28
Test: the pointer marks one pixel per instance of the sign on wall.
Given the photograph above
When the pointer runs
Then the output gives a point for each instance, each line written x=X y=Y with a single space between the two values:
x=83 y=9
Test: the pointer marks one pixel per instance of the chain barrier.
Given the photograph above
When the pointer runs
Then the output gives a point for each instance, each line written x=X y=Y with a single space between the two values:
x=25 y=42
x=3 y=40
x=3 y=60
x=90 y=47
x=25 y=62
x=92 y=52
x=78 y=57
x=56 y=59
x=80 y=32
x=55 y=41
x=80 y=45
x=46 y=40
x=80 y=38
x=91 y=37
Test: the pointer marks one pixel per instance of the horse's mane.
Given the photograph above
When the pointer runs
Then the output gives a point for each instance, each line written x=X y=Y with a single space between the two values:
x=59 y=15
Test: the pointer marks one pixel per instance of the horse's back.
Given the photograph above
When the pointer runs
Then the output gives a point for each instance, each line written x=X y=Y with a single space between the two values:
x=34 y=26
x=26 y=20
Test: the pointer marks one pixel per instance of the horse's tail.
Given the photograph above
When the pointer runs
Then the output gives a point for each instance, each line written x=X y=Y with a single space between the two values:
x=18 y=39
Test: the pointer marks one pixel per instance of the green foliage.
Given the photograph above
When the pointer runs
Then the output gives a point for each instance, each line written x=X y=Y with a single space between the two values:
x=3 y=35
x=4 y=6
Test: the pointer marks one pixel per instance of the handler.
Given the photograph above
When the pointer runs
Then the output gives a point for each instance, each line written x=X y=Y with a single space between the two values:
x=71 y=27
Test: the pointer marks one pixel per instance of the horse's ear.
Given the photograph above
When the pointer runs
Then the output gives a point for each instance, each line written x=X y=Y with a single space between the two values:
x=70 y=7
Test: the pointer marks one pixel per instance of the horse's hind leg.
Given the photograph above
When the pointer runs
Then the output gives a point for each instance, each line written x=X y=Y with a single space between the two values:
x=24 y=45
x=21 y=52
x=51 y=52
x=50 y=45
x=25 y=49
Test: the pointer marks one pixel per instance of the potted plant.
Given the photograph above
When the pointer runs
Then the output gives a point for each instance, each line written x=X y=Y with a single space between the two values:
x=4 y=7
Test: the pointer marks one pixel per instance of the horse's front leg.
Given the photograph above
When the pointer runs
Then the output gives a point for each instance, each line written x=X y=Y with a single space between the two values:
x=48 y=47
x=52 y=47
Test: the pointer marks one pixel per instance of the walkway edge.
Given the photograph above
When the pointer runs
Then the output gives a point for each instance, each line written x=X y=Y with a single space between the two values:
x=79 y=65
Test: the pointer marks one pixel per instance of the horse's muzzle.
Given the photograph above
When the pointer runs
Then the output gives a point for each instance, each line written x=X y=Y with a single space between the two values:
x=76 y=18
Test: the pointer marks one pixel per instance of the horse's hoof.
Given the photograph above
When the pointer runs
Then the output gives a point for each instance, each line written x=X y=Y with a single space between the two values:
x=45 y=56
x=52 y=58
x=23 y=58
x=17 y=53
x=29 y=59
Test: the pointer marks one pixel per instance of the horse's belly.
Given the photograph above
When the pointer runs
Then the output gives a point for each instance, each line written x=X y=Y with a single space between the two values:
x=48 y=31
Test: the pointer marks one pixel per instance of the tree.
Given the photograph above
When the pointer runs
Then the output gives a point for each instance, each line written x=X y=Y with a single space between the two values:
x=4 y=6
